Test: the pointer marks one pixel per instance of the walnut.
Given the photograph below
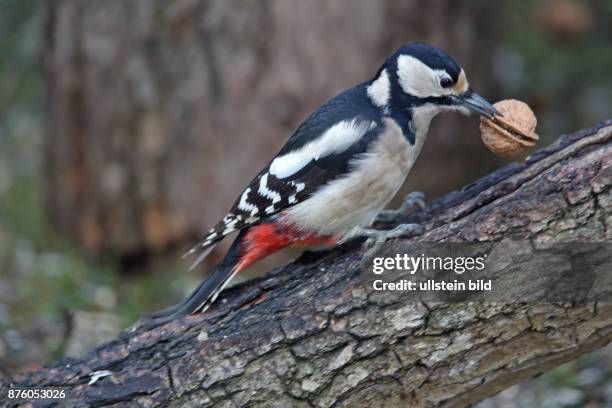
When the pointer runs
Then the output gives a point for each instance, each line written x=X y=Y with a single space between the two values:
x=510 y=134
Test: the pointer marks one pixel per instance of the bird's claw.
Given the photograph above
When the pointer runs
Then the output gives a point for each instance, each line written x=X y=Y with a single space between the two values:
x=377 y=238
x=413 y=199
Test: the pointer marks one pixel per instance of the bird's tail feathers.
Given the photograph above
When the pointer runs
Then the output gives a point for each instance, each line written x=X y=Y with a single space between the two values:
x=208 y=291
x=205 y=252
x=202 y=297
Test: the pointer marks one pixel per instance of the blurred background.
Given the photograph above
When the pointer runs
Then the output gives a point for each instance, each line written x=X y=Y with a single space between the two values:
x=127 y=128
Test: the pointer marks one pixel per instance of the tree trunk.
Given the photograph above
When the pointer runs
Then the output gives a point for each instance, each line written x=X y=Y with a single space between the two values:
x=160 y=111
x=312 y=334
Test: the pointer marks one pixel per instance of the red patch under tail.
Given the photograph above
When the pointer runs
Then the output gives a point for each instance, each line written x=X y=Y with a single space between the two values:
x=265 y=239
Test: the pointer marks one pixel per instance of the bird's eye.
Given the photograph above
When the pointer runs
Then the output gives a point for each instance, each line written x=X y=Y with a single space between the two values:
x=445 y=82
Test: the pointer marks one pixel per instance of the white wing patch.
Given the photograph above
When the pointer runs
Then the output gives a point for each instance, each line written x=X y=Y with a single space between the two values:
x=334 y=140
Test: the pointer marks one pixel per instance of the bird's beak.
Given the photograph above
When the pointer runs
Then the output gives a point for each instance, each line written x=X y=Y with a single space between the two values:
x=476 y=103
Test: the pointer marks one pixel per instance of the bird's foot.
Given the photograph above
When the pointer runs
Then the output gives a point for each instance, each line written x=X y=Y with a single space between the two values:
x=412 y=200
x=377 y=238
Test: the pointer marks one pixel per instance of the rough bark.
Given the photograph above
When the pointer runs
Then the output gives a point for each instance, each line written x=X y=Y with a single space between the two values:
x=311 y=334
x=152 y=103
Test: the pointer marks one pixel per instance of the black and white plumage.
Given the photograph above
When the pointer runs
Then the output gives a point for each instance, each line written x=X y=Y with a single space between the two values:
x=341 y=166
x=319 y=151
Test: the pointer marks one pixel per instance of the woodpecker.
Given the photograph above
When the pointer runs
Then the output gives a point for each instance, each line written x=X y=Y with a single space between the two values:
x=339 y=169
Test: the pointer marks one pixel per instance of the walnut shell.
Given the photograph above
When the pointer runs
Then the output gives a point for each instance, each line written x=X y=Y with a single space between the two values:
x=510 y=134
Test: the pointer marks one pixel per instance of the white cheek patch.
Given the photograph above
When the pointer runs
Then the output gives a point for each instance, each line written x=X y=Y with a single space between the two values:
x=416 y=78
x=334 y=140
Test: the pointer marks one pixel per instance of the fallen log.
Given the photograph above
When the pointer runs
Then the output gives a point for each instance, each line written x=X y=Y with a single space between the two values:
x=312 y=334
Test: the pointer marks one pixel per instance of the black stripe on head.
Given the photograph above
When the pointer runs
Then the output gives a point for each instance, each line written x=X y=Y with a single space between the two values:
x=433 y=57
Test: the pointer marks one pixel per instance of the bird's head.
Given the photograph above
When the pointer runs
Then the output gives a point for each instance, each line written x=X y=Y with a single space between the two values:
x=419 y=75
